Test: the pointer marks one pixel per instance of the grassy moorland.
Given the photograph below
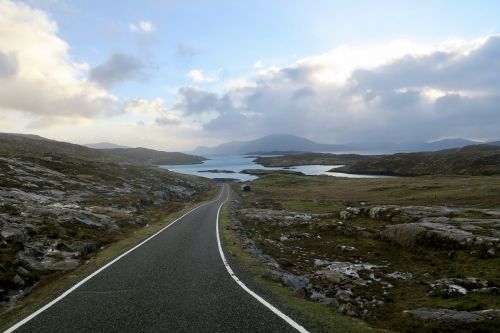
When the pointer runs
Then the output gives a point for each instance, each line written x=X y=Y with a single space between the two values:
x=475 y=160
x=355 y=266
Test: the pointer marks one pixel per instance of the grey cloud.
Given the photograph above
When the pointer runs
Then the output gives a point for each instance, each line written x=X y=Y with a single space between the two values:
x=197 y=101
x=117 y=69
x=8 y=64
x=449 y=71
x=388 y=103
x=163 y=121
x=184 y=51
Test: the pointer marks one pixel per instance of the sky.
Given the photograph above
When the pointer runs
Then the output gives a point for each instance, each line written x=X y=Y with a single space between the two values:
x=173 y=75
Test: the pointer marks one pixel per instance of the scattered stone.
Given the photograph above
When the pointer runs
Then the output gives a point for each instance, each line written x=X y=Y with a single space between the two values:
x=400 y=275
x=346 y=248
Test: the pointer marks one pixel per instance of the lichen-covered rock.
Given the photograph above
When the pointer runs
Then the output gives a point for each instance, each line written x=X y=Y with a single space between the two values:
x=435 y=234
x=453 y=316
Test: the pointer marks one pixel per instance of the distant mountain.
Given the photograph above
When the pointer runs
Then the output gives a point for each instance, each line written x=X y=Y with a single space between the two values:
x=12 y=144
x=104 y=145
x=416 y=146
x=476 y=160
x=275 y=143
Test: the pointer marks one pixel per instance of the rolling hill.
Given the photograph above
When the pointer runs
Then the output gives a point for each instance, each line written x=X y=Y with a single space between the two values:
x=13 y=144
x=473 y=160
x=104 y=145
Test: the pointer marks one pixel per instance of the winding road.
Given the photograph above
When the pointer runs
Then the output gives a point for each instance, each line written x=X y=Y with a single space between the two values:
x=176 y=281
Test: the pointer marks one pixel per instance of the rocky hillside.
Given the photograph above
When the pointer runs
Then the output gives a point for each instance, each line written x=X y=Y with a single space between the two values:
x=11 y=144
x=476 y=160
x=56 y=210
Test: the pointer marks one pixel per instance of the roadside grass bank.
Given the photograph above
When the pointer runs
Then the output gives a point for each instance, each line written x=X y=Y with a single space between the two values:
x=316 y=317
x=53 y=285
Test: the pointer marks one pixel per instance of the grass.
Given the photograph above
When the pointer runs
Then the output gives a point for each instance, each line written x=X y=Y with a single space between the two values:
x=54 y=285
x=325 y=193
x=317 y=317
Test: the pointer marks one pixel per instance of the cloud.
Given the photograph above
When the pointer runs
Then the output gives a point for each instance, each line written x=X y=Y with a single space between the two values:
x=258 y=64
x=8 y=64
x=398 y=91
x=154 y=109
x=117 y=69
x=184 y=51
x=198 y=77
x=146 y=26
x=37 y=74
x=143 y=26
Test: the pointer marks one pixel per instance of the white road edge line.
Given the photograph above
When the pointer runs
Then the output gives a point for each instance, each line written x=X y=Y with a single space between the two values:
x=70 y=290
x=280 y=314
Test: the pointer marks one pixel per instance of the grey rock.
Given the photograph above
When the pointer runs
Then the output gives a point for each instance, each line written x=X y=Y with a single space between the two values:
x=18 y=281
x=352 y=310
x=345 y=215
x=436 y=234
x=450 y=316
x=14 y=235
x=488 y=290
x=400 y=275
x=295 y=282
x=346 y=248
x=330 y=301
x=22 y=271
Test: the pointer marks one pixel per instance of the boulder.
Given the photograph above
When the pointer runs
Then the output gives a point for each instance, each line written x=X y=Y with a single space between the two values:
x=384 y=212
x=14 y=235
x=295 y=282
x=446 y=290
x=436 y=234
x=453 y=316
x=345 y=215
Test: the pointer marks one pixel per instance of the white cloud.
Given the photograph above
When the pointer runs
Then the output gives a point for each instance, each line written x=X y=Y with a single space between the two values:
x=258 y=64
x=144 y=26
x=154 y=109
x=198 y=77
x=39 y=77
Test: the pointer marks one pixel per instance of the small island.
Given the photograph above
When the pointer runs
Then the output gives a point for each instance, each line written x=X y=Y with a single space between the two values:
x=264 y=172
x=217 y=171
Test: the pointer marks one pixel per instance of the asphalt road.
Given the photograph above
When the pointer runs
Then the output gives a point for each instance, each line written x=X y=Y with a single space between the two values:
x=175 y=282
